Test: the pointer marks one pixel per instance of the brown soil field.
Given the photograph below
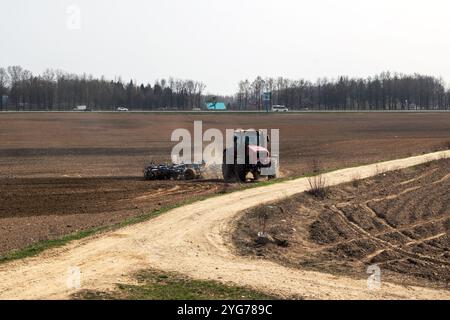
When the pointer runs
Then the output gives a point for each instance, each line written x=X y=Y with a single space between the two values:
x=39 y=209
x=397 y=220
x=64 y=172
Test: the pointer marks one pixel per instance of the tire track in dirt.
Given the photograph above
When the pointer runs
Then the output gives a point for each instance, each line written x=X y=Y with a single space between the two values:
x=387 y=245
x=384 y=243
x=383 y=233
x=158 y=193
x=195 y=240
x=426 y=174
x=402 y=246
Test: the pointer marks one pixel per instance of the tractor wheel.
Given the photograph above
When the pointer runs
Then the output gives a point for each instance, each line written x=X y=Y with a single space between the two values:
x=256 y=175
x=227 y=169
x=190 y=174
x=148 y=175
x=277 y=169
x=241 y=172
x=228 y=172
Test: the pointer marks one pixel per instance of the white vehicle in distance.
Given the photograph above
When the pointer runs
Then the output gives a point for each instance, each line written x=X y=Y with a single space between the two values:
x=81 y=108
x=122 y=109
x=278 y=108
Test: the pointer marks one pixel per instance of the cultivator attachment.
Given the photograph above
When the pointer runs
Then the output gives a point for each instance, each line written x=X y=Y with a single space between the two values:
x=173 y=172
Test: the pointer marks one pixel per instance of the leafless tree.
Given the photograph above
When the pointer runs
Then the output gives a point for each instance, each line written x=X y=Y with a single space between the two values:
x=4 y=83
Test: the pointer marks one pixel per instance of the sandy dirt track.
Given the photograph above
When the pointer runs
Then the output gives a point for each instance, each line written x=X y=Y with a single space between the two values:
x=194 y=240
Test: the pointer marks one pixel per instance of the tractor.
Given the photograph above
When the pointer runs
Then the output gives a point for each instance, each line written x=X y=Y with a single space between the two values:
x=248 y=155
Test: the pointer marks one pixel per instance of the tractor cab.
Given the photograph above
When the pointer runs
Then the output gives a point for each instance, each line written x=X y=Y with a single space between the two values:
x=250 y=137
x=248 y=155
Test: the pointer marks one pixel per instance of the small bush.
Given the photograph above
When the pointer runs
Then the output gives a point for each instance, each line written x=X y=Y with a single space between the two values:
x=318 y=183
x=263 y=217
x=356 y=181
x=318 y=186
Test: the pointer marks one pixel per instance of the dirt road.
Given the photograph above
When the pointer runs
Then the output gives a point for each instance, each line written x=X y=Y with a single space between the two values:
x=194 y=240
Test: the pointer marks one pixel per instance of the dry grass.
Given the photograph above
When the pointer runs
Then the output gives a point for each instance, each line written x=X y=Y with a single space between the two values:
x=317 y=183
x=262 y=222
x=356 y=180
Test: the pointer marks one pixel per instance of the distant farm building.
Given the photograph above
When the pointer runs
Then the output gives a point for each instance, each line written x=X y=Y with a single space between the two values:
x=216 y=106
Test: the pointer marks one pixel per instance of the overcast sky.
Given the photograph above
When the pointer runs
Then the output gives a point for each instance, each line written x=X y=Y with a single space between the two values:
x=222 y=42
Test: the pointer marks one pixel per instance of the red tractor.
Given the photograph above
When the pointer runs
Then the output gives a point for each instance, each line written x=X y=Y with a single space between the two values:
x=249 y=155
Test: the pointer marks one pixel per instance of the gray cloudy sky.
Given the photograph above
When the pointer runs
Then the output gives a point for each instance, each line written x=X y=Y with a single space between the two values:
x=222 y=42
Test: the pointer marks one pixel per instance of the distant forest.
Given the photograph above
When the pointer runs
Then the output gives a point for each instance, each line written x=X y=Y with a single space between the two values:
x=382 y=92
x=55 y=90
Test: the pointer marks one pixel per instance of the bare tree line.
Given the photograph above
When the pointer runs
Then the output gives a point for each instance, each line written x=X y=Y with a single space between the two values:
x=58 y=90
x=383 y=92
